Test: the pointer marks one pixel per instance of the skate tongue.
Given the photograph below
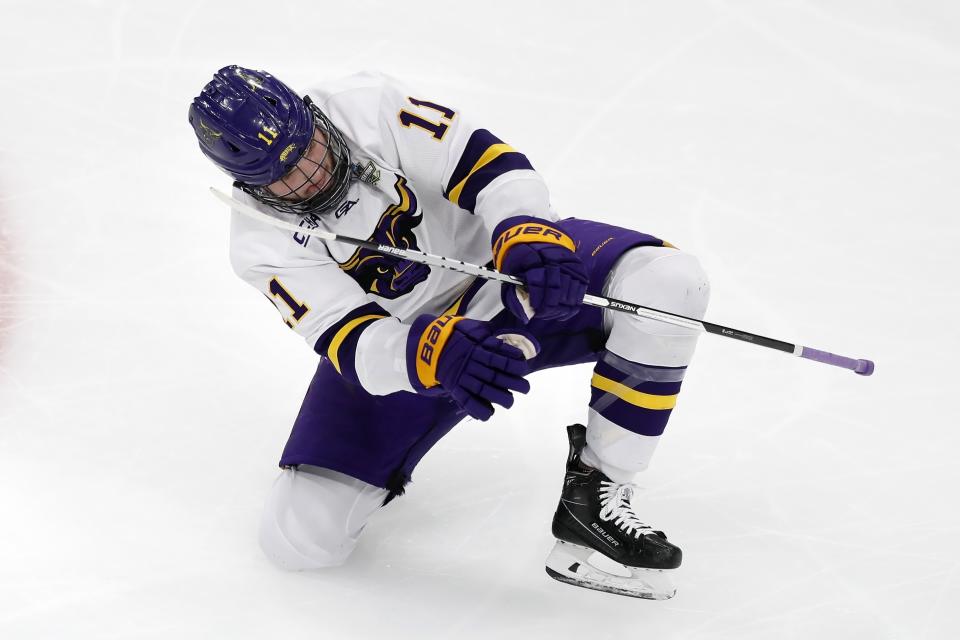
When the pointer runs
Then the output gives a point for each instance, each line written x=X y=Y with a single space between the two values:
x=624 y=495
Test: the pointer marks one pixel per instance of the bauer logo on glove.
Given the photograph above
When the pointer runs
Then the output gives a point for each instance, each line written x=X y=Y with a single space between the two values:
x=432 y=340
x=528 y=233
x=542 y=256
x=463 y=359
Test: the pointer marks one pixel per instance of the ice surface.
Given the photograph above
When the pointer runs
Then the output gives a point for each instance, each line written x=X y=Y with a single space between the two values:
x=807 y=152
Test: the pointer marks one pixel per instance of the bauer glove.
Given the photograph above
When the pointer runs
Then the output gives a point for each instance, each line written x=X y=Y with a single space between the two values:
x=541 y=255
x=462 y=358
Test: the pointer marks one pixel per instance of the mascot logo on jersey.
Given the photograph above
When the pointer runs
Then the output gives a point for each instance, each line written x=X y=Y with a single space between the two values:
x=389 y=276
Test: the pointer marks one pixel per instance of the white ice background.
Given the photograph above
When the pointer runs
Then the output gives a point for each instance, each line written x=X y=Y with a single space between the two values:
x=806 y=151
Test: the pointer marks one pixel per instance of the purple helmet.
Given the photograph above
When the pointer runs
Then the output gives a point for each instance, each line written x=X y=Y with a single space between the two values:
x=256 y=129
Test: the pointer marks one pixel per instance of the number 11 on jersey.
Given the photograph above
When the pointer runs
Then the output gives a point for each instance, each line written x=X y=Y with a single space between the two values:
x=437 y=129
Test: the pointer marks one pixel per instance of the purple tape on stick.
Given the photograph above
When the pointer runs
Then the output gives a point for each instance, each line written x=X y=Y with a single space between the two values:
x=861 y=367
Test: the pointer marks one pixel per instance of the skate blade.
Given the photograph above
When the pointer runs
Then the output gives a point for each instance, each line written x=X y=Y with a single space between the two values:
x=571 y=564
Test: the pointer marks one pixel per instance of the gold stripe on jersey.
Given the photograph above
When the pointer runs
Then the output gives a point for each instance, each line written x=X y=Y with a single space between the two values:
x=341 y=335
x=492 y=153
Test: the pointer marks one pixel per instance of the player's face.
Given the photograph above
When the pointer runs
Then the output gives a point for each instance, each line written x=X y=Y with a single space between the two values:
x=311 y=175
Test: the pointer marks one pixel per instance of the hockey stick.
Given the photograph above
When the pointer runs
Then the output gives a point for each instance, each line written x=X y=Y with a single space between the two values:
x=861 y=367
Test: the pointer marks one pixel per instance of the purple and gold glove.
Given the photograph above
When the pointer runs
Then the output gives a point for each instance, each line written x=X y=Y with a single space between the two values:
x=461 y=357
x=541 y=255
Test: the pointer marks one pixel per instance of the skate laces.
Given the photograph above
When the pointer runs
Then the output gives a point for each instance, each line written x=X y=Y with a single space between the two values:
x=615 y=499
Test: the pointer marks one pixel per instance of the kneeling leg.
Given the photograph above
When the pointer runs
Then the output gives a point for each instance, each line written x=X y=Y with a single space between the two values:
x=313 y=517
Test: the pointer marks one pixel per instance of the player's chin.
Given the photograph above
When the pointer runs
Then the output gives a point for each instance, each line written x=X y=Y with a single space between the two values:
x=324 y=184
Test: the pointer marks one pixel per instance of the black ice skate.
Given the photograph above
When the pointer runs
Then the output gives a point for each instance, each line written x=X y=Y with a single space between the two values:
x=601 y=544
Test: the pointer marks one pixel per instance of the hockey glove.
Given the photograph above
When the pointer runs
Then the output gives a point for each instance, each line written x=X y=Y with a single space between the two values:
x=541 y=255
x=462 y=358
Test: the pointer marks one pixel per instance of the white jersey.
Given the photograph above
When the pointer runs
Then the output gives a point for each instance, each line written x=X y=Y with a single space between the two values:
x=427 y=179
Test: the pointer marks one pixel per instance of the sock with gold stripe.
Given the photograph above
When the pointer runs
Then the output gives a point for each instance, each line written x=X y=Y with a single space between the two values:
x=630 y=404
x=635 y=396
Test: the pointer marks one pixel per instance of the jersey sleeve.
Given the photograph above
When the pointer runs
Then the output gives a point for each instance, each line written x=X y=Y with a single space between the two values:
x=323 y=305
x=473 y=168
x=437 y=146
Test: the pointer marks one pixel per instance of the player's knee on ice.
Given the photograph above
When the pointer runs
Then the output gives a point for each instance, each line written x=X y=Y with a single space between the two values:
x=661 y=278
x=313 y=517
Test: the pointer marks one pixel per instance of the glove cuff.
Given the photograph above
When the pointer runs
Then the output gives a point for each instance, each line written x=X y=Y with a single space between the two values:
x=428 y=336
x=522 y=230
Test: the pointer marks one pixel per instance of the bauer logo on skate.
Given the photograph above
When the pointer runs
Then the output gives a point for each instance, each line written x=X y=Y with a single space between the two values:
x=526 y=232
x=432 y=340
x=606 y=535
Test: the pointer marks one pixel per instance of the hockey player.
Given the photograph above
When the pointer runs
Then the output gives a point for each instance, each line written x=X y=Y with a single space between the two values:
x=408 y=351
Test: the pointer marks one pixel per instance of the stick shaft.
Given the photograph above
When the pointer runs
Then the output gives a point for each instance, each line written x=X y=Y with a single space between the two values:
x=862 y=367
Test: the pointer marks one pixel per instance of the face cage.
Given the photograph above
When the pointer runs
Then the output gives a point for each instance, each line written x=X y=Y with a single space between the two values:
x=341 y=175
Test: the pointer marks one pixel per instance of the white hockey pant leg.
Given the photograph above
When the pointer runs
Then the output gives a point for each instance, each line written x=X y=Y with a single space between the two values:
x=661 y=278
x=313 y=517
